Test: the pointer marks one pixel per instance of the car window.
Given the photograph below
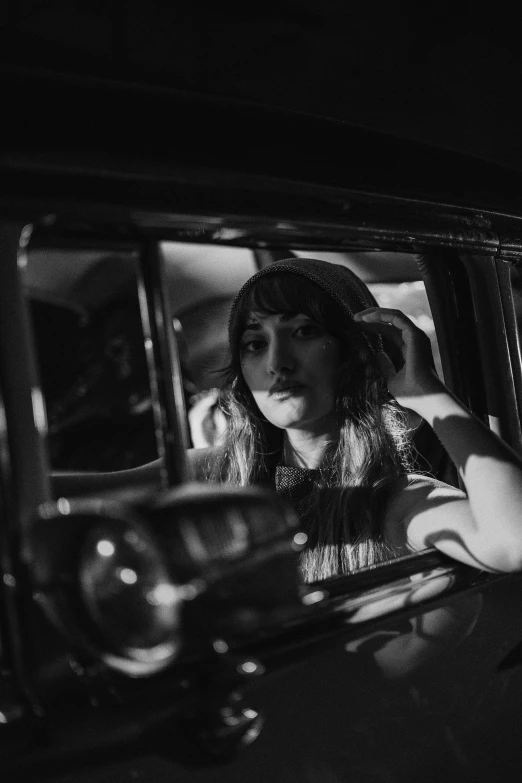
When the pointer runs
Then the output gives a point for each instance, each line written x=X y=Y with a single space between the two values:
x=90 y=346
x=91 y=359
x=202 y=281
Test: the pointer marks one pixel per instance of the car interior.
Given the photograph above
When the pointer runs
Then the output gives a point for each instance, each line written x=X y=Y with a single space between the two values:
x=90 y=342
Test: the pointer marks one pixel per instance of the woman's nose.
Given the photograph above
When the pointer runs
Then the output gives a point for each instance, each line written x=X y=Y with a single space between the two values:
x=280 y=358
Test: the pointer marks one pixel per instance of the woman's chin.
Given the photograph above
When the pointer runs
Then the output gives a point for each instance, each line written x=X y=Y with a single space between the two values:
x=311 y=420
x=285 y=423
x=295 y=423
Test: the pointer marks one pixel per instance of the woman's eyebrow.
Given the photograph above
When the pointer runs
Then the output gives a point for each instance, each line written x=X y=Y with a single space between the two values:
x=291 y=316
x=283 y=317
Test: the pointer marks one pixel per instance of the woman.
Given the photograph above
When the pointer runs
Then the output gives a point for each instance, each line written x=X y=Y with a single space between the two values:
x=316 y=407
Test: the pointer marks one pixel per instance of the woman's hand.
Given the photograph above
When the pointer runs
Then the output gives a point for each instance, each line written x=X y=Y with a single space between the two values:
x=207 y=423
x=417 y=376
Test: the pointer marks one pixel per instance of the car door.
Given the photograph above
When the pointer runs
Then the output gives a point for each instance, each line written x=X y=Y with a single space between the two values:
x=409 y=669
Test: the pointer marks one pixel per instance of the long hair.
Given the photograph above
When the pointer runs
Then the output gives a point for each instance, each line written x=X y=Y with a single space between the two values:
x=345 y=517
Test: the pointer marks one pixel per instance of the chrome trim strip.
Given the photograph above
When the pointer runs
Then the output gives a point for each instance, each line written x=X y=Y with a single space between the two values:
x=349 y=607
x=496 y=353
x=164 y=367
x=25 y=478
x=22 y=393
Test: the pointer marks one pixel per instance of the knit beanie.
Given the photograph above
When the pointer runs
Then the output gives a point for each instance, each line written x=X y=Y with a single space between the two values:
x=339 y=282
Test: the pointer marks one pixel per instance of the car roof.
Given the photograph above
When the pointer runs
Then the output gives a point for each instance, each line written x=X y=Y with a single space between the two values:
x=435 y=74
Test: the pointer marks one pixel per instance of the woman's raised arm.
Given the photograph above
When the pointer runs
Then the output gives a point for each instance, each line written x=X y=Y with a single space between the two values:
x=484 y=529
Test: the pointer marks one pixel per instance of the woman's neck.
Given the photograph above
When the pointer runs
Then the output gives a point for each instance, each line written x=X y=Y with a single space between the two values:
x=303 y=449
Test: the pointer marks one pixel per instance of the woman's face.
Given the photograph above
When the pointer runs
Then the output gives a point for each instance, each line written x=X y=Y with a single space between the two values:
x=291 y=365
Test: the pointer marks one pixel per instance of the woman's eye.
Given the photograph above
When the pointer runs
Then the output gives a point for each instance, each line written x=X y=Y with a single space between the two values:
x=252 y=346
x=308 y=330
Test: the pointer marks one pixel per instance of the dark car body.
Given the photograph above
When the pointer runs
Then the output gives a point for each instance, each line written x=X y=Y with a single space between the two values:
x=264 y=679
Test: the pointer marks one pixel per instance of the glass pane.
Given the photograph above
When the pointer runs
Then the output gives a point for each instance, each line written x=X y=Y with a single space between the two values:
x=91 y=358
x=202 y=282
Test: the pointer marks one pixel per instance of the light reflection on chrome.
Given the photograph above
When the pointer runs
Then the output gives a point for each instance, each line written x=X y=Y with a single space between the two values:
x=400 y=595
x=105 y=548
x=163 y=594
x=314 y=598
x=128 y=576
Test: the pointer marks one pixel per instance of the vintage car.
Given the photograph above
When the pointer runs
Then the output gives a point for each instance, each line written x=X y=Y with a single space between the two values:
x=155 y=627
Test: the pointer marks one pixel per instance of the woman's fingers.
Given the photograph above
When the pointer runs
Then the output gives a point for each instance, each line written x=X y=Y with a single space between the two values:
x=383 y=313
x=392 y=324
x=409 y=381
x=382 y=318
x=385 y=365
x=395 y=326
x=391 y=333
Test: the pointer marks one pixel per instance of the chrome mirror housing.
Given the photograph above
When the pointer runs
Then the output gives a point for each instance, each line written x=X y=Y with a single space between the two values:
x=136 y=586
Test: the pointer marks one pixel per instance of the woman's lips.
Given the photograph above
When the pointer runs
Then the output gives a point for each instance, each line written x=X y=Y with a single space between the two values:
x=281 y=393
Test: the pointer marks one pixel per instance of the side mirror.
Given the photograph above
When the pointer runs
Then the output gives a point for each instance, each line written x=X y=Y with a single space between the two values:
x=146 y=605
x=138 y=585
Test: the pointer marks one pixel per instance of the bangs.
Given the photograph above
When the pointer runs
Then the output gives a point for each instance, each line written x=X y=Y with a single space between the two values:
x=289 y=294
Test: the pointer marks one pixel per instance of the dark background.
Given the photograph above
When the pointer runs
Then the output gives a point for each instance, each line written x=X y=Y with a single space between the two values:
x=447 y=74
